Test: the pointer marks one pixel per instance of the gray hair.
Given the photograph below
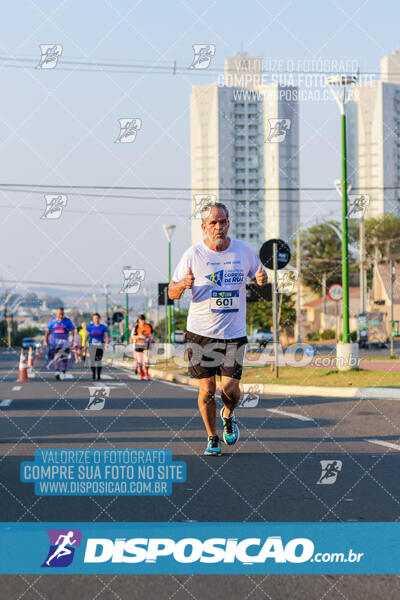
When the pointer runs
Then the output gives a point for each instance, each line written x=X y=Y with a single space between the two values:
x=205 y=211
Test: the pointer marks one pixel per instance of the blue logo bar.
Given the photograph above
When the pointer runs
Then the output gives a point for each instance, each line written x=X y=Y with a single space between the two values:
x=209 y=548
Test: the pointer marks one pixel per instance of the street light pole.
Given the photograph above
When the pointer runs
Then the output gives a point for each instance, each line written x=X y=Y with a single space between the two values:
x=169 y=230
x=363 y=287
x=345 y=237
x=126 y=309
x=106 y=294
x=298 y=299
x=340 y=83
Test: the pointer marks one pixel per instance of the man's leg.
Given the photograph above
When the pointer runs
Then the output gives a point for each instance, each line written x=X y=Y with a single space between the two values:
x=230 y=394
x=140 y=364
x=146 y=361
x=207 y=404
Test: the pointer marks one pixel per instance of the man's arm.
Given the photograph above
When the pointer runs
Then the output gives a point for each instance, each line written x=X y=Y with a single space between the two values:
x=46 y=337
x=177 y=288
x=71 y=333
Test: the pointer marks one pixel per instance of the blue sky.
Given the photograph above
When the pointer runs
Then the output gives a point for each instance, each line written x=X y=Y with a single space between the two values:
x=59 y=126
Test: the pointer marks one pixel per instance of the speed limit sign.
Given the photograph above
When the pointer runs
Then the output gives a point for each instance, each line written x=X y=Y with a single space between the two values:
x=335 y=292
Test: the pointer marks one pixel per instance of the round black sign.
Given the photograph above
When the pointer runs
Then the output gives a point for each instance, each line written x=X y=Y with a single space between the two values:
x=267 y=253
x=118 y=317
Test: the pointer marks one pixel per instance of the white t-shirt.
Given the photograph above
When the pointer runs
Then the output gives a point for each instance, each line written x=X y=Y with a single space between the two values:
x=218 y=306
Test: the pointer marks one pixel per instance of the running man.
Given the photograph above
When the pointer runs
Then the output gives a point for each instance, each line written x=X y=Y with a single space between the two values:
x=132 y=343
x=62 y=549
x=143 y=334
x=98 y=338
x=58 y=340
x=77 y=345
x=84 y=336
x=216 y=271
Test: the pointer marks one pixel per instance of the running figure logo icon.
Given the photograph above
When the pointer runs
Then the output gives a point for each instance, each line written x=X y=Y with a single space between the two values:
x=54 y=206
x=330 y=471
x=216 y=277
x=357 y=205
x=203 y=54
x=201 y=200
x=278 y=129
x=50 y=55
x=132 y=280
x=251 y=394
x=128 y=130
x=98 y=396
x=286 y=281
x=62 y=547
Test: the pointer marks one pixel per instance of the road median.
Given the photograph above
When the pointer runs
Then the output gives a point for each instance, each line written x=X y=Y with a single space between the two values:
x=389 y=393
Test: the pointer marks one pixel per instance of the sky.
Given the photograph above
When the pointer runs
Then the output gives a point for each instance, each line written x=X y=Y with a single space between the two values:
x=58 y=127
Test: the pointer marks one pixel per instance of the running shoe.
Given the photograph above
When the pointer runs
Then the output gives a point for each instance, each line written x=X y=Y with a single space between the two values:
x=213 y=447
x=62 y=376
x=148 y=377
x=231 y=430
x=141 y=376
x=57 y=375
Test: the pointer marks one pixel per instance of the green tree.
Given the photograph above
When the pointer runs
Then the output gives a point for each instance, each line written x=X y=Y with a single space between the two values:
x=321 y=252
x=378 y=233
x=261 y=312
x=180 y=323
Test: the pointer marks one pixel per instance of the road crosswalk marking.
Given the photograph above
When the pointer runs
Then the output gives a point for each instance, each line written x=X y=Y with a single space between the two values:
x=382 y=443
x=6 y=402
x=16 y=388
x=289 y=414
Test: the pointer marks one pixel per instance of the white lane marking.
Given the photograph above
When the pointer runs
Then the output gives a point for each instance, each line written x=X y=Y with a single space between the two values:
x=4 y=403
x=107 y=377
x=288 y=414
x=69 y=376
x=111 y=386
x=181 y=385
x=382 y=443
x=16 y=388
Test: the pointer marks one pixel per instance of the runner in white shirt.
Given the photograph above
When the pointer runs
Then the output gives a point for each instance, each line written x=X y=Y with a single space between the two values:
x=216 y=271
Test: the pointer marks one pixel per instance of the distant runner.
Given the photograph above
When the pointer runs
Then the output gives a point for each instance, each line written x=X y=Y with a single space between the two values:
x=84 y=337
x=143 y=334
x=98 y=338
x=58 y=340
x=77 y=345
x=132 y=343
x=216 y=271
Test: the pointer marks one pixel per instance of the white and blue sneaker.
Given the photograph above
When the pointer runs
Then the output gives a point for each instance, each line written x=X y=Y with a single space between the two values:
x=213 y=447
x=230 y=429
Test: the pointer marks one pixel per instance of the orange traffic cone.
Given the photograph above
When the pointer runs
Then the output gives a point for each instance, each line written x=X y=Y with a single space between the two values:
x=23 y=370
x=30 y=357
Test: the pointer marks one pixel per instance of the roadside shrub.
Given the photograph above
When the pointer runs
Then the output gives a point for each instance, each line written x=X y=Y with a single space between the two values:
x=353 y=336
x=313 y=337
x=328 y=334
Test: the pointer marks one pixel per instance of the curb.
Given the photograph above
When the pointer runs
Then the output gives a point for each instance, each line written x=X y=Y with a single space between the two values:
x=284 y=390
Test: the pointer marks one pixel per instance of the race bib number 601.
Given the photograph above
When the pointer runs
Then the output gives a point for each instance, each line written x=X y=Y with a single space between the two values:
x=224 y=301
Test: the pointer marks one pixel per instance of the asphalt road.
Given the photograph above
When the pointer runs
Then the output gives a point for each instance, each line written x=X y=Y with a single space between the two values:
x=270 y=475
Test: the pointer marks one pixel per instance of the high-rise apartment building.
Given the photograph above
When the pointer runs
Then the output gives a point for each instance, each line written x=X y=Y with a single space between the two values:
x=374 y=139
x=244 y=152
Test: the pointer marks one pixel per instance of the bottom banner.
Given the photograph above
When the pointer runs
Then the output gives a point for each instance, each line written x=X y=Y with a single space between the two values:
x=213 y=548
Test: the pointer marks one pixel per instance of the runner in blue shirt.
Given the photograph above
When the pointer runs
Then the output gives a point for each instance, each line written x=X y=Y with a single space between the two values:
x=58 y=340
x=98 y=337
